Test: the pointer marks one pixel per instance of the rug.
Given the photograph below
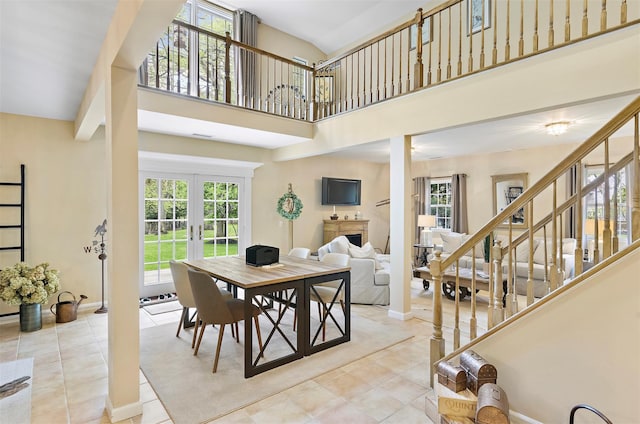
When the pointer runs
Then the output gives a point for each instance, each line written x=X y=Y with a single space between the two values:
x=15 y=403
x=161 y=308
x=191 y=393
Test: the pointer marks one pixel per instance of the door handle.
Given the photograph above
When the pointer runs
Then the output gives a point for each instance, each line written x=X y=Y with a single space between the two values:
x=191 y=233
x=199 y=232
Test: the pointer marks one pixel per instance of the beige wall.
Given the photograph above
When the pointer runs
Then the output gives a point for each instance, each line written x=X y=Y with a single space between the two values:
x=65 y=198
x=566 y=353
x=285 y=45
x=66 y=194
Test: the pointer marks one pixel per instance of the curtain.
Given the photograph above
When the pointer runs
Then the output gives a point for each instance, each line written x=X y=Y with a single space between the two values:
x=459 y=219
x=246 y=30
x=420 y=185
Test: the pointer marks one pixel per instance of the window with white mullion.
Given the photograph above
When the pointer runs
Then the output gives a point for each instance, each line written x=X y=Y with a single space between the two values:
x=439 y=201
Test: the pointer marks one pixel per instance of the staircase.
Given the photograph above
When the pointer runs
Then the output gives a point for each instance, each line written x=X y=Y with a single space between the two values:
x=571 y=345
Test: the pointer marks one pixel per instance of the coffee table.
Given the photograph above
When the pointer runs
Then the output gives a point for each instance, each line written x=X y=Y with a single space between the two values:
x=464 y=278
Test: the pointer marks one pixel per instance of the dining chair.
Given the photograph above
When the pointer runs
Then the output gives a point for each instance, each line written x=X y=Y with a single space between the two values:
x=324 y=293
x=213 y=308
x=300 y=252
x=185 y=296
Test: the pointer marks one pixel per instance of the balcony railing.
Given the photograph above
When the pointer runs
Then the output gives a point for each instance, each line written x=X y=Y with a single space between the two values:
x=457 y=39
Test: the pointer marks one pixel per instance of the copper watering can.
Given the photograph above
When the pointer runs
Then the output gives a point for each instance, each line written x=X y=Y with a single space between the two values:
x=67 y=310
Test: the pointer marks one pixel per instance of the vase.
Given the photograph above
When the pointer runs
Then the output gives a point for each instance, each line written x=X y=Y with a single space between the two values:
x=30 y=317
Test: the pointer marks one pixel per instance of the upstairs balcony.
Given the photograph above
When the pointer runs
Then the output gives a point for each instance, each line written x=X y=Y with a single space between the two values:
x=459 y=38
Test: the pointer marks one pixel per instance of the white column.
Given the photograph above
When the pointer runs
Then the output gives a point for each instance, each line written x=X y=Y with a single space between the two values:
x=121 y=105
x=400 y=227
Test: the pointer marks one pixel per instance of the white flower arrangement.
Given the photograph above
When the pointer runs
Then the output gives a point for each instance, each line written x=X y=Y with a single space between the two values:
x=21 y=284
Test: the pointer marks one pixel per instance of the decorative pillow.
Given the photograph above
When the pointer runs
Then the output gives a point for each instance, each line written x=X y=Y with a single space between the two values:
x=539 y=253
x=451 y=241
x=568 y=246
x=365 y=252
x=479 y=247
x=340 y=245
x=522 y=250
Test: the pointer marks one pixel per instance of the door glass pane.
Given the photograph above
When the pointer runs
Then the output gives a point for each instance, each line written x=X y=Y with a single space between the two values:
x=165 y=227
x=220 y=236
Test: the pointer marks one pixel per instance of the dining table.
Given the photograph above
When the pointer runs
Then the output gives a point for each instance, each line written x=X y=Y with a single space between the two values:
x=288 y=283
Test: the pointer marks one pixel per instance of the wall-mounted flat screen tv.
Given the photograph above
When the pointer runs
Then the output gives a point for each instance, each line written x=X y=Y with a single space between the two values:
x=340 y=191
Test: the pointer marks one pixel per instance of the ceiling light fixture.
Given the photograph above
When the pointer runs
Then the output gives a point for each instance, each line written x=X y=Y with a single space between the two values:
x=557 y=128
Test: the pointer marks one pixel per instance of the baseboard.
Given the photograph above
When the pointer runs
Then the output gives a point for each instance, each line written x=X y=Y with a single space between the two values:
x=123 y=412
x=400 y=315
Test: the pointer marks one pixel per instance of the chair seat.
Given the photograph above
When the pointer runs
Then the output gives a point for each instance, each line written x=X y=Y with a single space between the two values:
x=236 y=306
x=324 y=294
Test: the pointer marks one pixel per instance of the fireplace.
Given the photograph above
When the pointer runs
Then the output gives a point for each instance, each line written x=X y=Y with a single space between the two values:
x=354 y=239
x=356 y=230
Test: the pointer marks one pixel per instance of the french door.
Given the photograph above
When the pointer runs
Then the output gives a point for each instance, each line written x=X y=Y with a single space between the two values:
x=186 y=216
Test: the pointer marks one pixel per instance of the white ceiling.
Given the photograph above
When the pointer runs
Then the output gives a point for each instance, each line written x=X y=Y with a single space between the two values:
x=49 y=48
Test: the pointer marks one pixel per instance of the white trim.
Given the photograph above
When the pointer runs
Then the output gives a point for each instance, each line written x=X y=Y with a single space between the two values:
x=399 y=315
x=124 y=412
x=167 y=162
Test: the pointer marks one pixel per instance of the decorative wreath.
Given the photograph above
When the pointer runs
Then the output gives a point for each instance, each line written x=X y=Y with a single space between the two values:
x=289 y=205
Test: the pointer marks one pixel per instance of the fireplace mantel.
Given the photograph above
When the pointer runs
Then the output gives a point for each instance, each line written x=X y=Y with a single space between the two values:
x=345 y=227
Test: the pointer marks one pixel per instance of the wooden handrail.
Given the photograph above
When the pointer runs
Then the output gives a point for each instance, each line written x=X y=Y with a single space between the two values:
x=580 y=278
x=580 y=153
x=553 y=275
x=236 y=43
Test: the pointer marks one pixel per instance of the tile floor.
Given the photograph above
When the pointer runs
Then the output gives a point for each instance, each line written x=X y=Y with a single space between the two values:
x=70 y=377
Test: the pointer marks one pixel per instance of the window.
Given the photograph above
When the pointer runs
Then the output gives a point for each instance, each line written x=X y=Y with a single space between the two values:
x=594 y=205
x=439 y=198
x=182 y=57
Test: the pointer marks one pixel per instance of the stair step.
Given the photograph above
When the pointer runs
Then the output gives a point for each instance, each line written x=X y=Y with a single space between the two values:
x=431 y=410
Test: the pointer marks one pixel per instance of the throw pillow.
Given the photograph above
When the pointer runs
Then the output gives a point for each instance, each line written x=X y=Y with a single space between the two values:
x=539 y=253
x=451 y=241
x=522 y=250
x=340 y=245
x=479 y=247
x=365 y=252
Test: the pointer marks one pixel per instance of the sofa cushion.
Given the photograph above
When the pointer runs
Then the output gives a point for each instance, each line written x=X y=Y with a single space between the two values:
x=479 y=253
x=522 y=250
x=365 y=252
x=340 y=244
x=451 y=241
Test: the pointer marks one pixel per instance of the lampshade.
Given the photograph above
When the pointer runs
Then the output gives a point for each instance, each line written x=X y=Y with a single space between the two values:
x=427 y=221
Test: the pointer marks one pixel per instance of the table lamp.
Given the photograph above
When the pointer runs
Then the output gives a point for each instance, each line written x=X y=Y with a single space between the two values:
x=426 y=222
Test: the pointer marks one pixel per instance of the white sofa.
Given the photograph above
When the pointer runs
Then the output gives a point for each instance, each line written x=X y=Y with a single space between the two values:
x=370 y=272
x=451 y=241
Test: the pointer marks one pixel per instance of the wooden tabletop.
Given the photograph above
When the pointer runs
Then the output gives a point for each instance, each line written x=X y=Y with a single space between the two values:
x=234 y=270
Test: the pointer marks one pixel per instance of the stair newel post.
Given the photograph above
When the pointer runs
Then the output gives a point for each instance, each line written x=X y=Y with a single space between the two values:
x=635 y=210
x=436 y=351
x=497 y=313
x=530 y=293
x=606 y=205
x=578 y=254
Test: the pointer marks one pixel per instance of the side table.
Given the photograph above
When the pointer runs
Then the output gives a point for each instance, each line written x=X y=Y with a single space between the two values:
x=422 y=260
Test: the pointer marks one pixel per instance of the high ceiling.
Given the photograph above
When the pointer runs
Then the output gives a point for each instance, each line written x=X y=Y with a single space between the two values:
x=49 y=48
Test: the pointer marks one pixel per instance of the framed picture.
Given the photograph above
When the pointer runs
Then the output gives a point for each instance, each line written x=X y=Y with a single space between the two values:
x=474 y=12
x=324 y=89
x=426 y=33
x=506 y=189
